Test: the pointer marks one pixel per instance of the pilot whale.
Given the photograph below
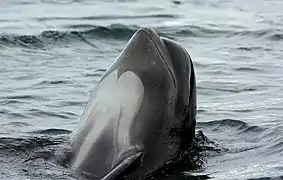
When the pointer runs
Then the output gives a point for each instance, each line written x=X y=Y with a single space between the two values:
x=142 y=113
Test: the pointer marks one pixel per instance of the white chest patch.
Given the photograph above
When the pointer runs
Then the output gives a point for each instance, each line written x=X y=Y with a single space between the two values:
x=114 y=101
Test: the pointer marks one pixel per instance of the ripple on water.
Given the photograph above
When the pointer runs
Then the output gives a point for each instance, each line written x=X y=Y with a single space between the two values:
x=98 y=73
x=17 y=124
x=51 y=131
x=249 y=69
x=124 y=32
x=18 y=98
x=48 y=82
x=44 y=113
x=230 y=90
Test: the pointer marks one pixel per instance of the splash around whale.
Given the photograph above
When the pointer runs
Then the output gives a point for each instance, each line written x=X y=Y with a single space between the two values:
x=142 y=113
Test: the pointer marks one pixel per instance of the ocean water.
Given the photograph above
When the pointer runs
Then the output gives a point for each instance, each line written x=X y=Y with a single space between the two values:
x=53 y=52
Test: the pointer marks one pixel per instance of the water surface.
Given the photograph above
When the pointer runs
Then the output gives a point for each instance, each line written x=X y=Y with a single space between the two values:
x=52 y=54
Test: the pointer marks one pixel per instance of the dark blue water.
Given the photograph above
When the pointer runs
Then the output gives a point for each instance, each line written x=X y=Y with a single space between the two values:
x=52 y=53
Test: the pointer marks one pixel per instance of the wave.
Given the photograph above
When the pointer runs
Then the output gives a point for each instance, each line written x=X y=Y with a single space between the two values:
x=12 y=114
x=97 y=73
x=237 y=125
x=273 y=141
x=72 y=103
x=123 y=32
x=267 y=178
x=35 y=112
x=253 y=48
x=50 y=38
x=249 y=69
x=17 y=124
x=267 y=140
x=27 y=41
x=49 y=82
x=202 y=31
x=23 y=97
x=43 y=113
x=232 y=90
x=10 y=101
x=41 y=156
x=52 y=131
x=107 y=17
x=27 y=143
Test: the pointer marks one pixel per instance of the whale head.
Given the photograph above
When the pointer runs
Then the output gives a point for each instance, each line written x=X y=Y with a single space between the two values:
x=141 y=114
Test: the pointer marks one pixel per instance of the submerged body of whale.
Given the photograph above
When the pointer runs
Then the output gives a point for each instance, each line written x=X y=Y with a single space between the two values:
x=142 y=113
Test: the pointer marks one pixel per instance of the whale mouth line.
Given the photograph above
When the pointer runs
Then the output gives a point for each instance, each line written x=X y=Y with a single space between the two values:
x=147 y=31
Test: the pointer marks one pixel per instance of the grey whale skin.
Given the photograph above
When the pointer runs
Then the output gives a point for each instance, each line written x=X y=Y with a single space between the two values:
x=142 y=113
